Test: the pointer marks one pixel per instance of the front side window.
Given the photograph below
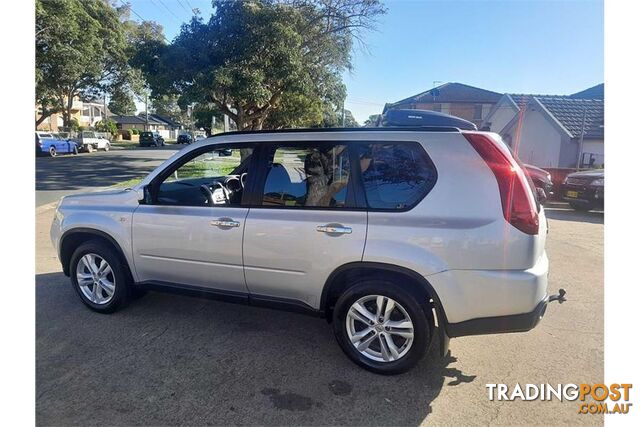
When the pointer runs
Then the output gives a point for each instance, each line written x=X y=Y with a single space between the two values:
x=214 y=178
x=396 y=176
x=313 y=176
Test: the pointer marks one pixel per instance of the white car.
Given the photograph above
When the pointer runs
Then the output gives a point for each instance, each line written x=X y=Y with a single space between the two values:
x=88 y=141
x=393 y=235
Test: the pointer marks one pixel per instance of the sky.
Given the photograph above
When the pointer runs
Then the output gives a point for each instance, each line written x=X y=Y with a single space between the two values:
x=542 y=47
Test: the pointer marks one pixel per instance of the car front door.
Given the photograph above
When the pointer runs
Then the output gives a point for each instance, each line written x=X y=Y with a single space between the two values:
x=190 y=230
x=306 y=224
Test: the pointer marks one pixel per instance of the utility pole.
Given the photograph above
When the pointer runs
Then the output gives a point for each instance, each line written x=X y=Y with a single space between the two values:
x=104 y=108
x=584 y=120
x=146 y=111
x=343 y=114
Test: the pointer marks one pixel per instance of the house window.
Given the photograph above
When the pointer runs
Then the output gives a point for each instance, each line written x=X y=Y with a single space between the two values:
x=437 y=107
x=477 y=112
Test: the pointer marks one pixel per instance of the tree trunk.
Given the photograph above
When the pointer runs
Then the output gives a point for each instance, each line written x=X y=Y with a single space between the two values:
x=43 y=117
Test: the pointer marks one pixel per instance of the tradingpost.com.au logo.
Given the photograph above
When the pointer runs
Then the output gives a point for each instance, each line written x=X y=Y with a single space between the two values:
x=603 y=399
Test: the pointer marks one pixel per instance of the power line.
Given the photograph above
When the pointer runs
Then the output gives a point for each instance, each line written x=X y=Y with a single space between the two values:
x=183 y=6
x=141 y=18
x=169 y=10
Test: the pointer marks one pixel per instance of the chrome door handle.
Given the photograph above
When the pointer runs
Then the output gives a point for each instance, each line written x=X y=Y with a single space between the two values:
x=333 y=229
x=225 y=222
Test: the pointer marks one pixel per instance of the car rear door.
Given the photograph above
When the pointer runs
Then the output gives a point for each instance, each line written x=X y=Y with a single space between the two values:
x=305 y=222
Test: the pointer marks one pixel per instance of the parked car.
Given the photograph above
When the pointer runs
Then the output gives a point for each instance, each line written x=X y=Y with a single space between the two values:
x=541 y=180
x=148 y=139
x=49 y=144
x=584 y=190
x=200 y=137
x=88 y=141
x=394 y=235
x=184 y=138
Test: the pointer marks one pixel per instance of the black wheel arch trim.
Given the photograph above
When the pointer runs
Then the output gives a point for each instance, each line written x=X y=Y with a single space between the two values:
x=95 y=232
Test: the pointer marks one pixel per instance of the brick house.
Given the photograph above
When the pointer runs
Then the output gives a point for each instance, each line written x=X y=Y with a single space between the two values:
x=464 y=101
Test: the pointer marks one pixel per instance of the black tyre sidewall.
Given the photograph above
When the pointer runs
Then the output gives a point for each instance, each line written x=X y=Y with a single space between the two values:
x=422 y=335
x=122 y=292
x=580 y=207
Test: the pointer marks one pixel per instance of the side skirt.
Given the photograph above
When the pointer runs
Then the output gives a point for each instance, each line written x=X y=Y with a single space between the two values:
x=283 y=304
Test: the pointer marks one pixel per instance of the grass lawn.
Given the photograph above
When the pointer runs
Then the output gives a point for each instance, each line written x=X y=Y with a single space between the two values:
x=128 y=183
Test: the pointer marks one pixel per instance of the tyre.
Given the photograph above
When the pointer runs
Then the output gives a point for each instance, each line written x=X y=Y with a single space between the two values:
x=100 y=277
x=107 y=147
x=89 y=148
x=52 y=151
x=75 y=150
x=381 y=327
x=581 y=207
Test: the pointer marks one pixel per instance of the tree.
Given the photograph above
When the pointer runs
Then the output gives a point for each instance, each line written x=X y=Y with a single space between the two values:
x=122 y=102
x=107 y=126
x=273 y=62
x=80 y=52
x=372 y=121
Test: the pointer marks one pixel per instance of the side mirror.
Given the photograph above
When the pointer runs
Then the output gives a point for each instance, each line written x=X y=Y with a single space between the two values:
x=146 y=196
x=541 y=195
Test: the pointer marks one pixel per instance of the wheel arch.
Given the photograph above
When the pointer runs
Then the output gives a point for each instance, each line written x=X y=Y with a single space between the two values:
x=344 y=276
x=74 y=237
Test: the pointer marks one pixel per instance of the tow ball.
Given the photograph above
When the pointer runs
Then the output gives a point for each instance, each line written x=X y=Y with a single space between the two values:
x=559 y=297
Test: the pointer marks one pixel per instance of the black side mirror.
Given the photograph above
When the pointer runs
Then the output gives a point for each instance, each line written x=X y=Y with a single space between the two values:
x=541 y=195
x=146 y=196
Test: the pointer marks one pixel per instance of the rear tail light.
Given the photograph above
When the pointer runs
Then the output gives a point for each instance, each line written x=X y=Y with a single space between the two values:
x=518 y=201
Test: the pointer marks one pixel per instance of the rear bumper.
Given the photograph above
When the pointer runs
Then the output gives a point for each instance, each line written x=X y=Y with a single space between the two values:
x=499 y=324
x=586 y=195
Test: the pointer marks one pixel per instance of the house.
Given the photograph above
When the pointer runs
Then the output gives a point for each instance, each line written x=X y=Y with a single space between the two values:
x=138 y=122
x=169 y=123
x=86 y=113
x=552 y=131
x=464 y=101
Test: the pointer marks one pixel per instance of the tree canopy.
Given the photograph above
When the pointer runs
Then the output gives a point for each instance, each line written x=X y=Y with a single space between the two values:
x=274 y=63
x=81 y=51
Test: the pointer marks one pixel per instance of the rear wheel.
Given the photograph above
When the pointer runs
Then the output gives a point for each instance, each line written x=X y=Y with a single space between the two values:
x=107 y=147
x=52 y=151
x=75 y=150
x=99 y=277
x=89 y=148
x=381 y=327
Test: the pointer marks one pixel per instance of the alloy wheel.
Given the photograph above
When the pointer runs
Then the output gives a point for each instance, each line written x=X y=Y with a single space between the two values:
x=379 y=328
x=95 y=279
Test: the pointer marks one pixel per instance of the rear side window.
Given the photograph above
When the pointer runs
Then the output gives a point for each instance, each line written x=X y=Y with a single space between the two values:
x=316 y=176
x=396 y=176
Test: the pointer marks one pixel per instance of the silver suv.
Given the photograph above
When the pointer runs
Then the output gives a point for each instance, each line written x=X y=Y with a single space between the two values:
x=396 y=236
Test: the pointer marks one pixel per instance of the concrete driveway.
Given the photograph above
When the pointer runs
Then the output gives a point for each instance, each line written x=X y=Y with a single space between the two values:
x=69 y=174
x=168 y=360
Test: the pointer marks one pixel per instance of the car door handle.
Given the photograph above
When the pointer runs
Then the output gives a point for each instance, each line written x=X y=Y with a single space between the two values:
x=225 y=222
x=334 y=229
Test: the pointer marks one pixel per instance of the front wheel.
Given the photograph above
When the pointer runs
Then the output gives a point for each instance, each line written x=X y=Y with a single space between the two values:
x=75 y=150
x=381 y=327
x=99 y=277
x=107 y=147
x=89 y=148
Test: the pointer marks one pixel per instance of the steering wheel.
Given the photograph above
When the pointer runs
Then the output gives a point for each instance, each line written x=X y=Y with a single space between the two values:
x=207 y=193
x=243 y=178
x=225 y=192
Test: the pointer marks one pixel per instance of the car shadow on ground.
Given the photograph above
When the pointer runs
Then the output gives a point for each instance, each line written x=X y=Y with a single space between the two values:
x=568 y=214
x=94 y=170
x=168 y=359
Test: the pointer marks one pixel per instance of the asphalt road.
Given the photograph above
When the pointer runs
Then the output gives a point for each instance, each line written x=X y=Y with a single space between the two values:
x=168 y=360
x=69 y=174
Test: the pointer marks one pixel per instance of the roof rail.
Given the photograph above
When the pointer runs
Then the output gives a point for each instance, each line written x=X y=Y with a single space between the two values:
x=330 y=130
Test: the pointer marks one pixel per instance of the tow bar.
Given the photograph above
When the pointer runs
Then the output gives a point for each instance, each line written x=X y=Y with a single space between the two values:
x=559 y=297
